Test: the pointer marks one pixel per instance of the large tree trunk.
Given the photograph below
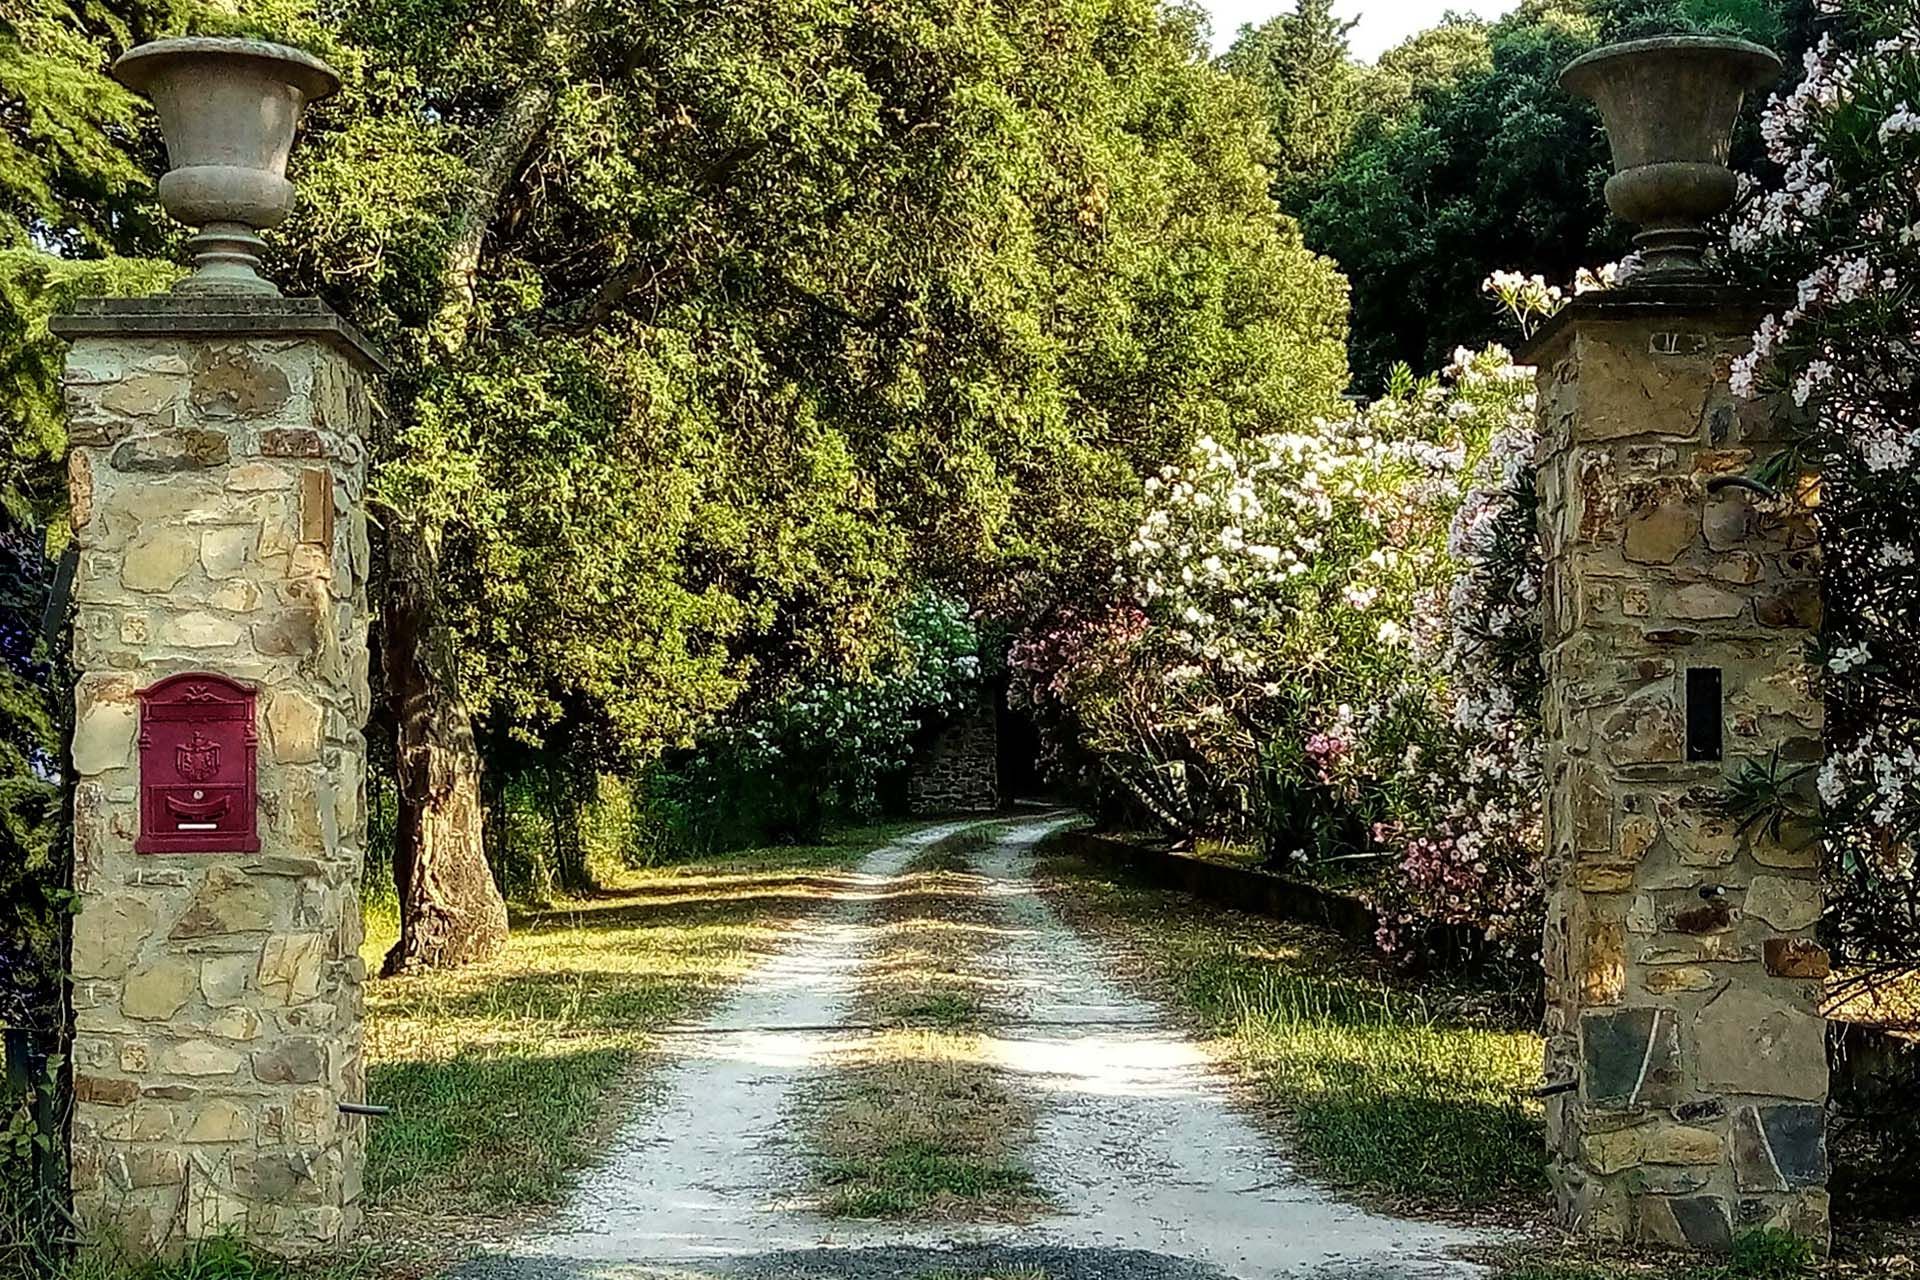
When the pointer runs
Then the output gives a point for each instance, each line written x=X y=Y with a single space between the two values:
x=451 y=911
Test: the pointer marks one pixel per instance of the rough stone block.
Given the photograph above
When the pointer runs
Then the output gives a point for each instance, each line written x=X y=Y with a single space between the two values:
x=1779 y=1148
x=108 y=933
x=1667 y=981
x=1796 y=958
x=1680 y=1144
x=294 y=722
x=1749 y=1042
x=1686 y=1222
x=290 y=966
x=1662 y=521
x=293 y=1061
x=316 y=507
x=159 y=560
x=1703 y=601
x=168 y=452
x=1786 y=904
x=225 y=551
x=200 y=1058
x=201 y=629
x=236 y=382
x=1611 y=1152
x=221 y=1120
x=141 y=396
x=109 y=1091
x=157 y=993
x=228 y=901
x=1629 y=1057
x=292 y=442
x=105 y=721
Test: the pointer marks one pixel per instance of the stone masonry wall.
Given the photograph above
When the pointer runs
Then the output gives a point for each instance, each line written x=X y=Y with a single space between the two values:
x=1682 y=976
x=958 y=769
x=216 y=497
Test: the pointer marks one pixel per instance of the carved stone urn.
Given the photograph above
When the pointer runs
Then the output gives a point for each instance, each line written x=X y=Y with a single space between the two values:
x=1669 y=106
x=228 y=109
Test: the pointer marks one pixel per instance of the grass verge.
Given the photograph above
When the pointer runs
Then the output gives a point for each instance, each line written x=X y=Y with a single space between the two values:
x=527 y=1054
x=1386 y=1090
x=1758 y=1255
x=916 y=1122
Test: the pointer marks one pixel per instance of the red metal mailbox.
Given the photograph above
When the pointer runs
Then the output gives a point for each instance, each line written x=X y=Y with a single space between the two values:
x=197 y=748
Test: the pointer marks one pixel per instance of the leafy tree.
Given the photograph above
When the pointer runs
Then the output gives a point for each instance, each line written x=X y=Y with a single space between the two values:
x=784 y=766
x=1427 y=60
x=1313 y=91
x=721 y=329
x=1469 y=157
x=1491 y=166
x=72 y=193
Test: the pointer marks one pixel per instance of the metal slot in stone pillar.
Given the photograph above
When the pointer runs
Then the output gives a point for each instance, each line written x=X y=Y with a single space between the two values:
x=1682 y=975
x=1705 y=717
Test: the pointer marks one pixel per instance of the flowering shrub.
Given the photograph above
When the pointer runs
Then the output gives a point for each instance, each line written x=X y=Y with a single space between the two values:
x=1468 y=834
x=1291 y=622
x=1840 y=214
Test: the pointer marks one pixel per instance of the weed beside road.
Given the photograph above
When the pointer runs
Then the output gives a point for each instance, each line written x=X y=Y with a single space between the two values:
x=916 y=1121
x=504 y=1077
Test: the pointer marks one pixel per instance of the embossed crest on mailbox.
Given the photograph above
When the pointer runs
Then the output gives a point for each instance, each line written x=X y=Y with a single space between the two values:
x=197 y=748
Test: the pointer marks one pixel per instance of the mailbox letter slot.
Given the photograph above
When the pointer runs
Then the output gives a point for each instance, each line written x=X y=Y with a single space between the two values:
x=1704 y=713
x=197 y=749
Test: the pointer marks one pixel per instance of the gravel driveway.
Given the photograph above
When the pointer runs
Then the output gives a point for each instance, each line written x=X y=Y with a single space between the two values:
x=1154 y=1174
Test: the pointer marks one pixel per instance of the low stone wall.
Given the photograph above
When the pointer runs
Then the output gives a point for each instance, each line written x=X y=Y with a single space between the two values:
x=1260 y=892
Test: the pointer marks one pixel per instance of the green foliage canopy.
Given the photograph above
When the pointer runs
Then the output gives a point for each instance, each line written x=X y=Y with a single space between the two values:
x=785 y=307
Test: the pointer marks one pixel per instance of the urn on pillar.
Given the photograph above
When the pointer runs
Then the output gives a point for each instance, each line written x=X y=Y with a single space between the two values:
x=1669 y=105
x=228 y=110
x=218 y=472
x=1686 y=1050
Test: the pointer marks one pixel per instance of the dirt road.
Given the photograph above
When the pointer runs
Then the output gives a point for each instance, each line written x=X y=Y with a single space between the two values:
x=1152 y=1173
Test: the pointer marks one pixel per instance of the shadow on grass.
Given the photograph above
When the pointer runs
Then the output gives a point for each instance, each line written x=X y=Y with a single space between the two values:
x=501 y=1128
x=1386 y=1090
x=908 y=1177
x=692 y=905
x=503 y=1076
x=579 y=1001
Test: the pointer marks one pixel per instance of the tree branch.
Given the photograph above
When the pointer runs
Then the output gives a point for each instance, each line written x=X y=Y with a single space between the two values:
x=493 y=164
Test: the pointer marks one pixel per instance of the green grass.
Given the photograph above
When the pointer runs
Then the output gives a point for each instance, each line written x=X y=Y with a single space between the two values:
x=906 y=1177
x=941 y=1008
x=1385 y=1090
x=527 y=1054
x=1757 y=1255
x=217 y=1259
x=917 y=1122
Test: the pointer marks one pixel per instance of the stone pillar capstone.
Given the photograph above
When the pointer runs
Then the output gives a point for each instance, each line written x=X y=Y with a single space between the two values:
x=1683 y=976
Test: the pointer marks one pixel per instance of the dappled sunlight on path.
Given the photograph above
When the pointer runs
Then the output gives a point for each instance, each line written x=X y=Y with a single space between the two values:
x=1137 y=1146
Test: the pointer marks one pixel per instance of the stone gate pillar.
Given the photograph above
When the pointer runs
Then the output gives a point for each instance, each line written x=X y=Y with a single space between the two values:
x=217 y=475
x=217 y=468
x=1682 y=973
